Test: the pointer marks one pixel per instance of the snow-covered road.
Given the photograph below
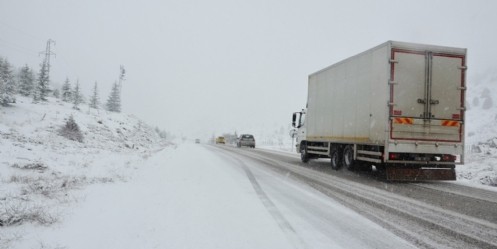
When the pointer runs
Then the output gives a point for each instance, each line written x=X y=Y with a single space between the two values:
x=429 y=214
x=196 y=196
x=309 y=218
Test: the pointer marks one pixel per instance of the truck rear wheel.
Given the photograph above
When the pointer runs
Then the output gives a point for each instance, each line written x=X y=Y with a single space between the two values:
x=348 y=157
x=335 y=159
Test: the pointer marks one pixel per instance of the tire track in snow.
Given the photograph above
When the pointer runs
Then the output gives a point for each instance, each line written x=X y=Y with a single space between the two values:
x=282 y=222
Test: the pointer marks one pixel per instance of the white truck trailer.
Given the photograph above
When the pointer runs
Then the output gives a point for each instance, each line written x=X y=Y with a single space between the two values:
x=398 y=106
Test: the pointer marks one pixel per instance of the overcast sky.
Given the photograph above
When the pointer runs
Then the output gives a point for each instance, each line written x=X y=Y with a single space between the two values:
x=202 y=67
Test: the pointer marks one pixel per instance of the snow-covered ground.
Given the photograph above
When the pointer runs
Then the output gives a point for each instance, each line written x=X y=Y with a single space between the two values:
x=41 y=171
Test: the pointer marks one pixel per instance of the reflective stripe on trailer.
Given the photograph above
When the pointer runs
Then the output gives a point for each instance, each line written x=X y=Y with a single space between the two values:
x=450 y=123
x=409 y=121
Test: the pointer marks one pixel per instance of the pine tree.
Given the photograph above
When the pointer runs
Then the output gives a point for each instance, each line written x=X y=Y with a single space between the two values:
x=26 y=81
x=95 y=99
x=67 y=91
x=77 y=97
x=71 y=130
x=114 y=100
x=7 y=83
x=43 y=87
x=36 y=94
x=3 y=83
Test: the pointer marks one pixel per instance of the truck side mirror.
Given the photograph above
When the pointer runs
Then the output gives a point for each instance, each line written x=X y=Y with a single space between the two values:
x=294 y=119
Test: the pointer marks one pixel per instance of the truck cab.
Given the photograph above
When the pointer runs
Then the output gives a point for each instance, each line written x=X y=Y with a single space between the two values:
x=298 y=121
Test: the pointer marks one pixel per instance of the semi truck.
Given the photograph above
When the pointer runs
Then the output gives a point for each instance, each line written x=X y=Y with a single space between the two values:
x=399 y=107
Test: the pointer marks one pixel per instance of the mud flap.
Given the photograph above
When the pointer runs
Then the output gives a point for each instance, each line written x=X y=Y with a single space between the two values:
x=420 y=174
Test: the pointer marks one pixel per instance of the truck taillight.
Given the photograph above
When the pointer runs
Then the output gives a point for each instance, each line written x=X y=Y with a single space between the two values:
x=394 y=156
x=448 y=158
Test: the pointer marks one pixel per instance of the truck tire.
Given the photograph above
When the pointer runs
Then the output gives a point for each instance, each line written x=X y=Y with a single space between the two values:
x=336 y=163
x=348 y=157
x=304 y=156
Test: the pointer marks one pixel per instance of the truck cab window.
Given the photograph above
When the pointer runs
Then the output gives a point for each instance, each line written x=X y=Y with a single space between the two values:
x=302 y=119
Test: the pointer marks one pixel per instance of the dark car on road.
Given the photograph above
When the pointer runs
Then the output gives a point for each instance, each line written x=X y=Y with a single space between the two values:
x=246 y=140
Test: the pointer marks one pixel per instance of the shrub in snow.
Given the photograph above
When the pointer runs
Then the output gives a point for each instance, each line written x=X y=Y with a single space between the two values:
x=17 y=211
x=162 y=134
x=71 y=130
x=475 y=149
x=493 y=181
x=34 y=166
x=9 y=239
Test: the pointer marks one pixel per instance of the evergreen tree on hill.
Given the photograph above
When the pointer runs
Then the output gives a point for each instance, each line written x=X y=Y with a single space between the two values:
x=71 y=130
x=67 y=91
x=114 y=100
x=8 y=86
x=26 y=81
x=77 y=97
x=95 y=99
x=43 y=88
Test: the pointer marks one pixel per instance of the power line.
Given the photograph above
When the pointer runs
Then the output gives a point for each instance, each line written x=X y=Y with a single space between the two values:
x=18 y=47
x=20 y=31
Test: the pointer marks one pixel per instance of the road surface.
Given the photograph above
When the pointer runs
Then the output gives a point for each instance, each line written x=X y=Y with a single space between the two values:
x=427 y=215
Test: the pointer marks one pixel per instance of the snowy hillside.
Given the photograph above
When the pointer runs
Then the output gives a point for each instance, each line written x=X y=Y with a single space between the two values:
x=481 y=131
x=41 y=170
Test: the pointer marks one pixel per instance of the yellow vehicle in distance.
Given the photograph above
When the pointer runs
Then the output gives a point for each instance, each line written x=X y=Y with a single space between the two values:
x=220 y=140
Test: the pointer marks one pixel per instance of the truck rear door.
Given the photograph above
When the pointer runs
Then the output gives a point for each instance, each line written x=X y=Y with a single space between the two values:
x=426 y=95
